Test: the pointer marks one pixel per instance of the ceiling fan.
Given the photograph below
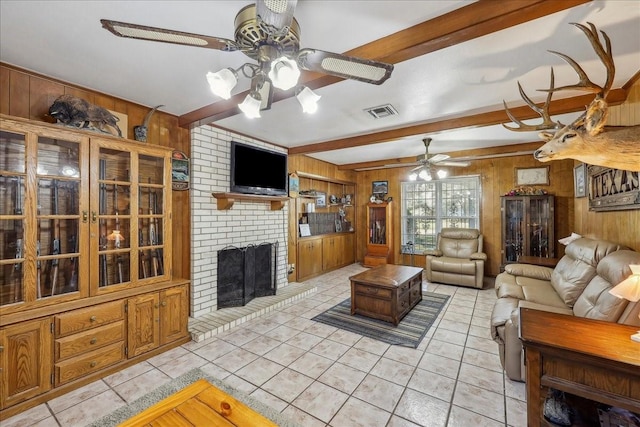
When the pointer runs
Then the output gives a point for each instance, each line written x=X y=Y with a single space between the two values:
x=427 y=161
x=268 y=33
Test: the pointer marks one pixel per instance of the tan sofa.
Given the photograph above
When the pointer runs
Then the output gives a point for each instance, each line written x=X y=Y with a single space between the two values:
x=458 y=258
x=577 y=286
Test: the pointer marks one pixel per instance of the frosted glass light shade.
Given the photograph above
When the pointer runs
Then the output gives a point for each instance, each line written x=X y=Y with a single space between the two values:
x=629 y=288
x=222 y=82
x=251 y=105
x=442 y=174
x=284 y=73
x=308 y=99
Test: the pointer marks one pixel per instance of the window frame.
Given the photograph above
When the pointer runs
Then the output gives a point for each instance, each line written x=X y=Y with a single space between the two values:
x=415 y=241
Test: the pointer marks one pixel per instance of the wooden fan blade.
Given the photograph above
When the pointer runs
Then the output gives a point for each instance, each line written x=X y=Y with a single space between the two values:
x=141 y=32
x=452 y=163
x=347 y=67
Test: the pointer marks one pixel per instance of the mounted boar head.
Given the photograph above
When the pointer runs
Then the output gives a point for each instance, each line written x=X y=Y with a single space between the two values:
x=586 y=139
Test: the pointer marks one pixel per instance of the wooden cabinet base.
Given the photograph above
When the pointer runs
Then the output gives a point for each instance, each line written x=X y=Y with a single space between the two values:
x=374 y=261
x=66 y=388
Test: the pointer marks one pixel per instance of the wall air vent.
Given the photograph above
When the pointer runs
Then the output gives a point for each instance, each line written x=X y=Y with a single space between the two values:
x=382 y=111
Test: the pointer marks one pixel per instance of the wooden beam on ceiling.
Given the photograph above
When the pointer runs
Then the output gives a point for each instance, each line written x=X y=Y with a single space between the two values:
x=560 y=106
x=466 y=23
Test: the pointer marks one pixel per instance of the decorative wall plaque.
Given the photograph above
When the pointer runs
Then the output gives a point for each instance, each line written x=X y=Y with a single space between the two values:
x=613 y=189
x=179 y=171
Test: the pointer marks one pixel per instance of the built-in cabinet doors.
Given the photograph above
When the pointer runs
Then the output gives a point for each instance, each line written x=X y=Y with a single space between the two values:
x=25 y=361
x=43 y=195
x=79 y=215
x=157 y=319
x=174 y=308
x=143 y=314
x=129 y=215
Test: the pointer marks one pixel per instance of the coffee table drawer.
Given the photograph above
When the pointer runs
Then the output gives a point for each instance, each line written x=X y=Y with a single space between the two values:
x=373 y=291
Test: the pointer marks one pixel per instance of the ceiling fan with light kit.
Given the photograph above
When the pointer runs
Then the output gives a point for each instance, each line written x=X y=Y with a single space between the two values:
x=427 y=162
x=268 y=33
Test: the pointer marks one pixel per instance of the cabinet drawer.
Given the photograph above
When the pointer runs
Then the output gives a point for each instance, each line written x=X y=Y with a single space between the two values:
x=77 y=367
x=82 y=342
x=373 y=291
x=88 y=318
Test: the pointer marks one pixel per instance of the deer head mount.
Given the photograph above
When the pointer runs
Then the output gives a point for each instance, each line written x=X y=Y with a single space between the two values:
x=586 y=139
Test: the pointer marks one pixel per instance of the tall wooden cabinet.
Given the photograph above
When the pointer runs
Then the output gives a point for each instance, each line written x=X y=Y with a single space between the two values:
x=380 y=234
x=527 y=227
x=85 y=230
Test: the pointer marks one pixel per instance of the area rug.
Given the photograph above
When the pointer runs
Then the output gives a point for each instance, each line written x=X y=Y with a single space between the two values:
x=409 y=331
x=153 y=397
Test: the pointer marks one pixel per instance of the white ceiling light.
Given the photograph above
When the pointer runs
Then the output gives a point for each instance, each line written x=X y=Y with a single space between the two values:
x=222 y=82
x=308 y=99
x=284 y=73
x=442 y=174
x=251 y=105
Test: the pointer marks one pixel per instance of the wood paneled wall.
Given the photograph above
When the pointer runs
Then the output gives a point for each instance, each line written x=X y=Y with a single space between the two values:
x=29 y=95
x=620 y=226
x=497 y=178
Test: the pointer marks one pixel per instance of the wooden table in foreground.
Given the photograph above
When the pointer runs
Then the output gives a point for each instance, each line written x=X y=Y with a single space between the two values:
x=199 y=404
x=591 y=359
x=387 y=292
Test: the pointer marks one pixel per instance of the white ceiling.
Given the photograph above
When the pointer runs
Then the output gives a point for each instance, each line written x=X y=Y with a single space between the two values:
x=64 y=40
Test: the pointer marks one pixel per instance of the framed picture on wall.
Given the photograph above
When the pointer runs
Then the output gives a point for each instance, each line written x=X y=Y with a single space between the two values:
x=321 y=199
x=532 y=176
x=380 y=187
x=580 y=180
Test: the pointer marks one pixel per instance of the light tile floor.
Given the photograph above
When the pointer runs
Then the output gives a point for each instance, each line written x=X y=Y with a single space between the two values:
x=318 y=375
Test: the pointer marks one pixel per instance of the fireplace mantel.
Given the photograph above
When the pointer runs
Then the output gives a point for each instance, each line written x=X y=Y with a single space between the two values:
x=226 y=200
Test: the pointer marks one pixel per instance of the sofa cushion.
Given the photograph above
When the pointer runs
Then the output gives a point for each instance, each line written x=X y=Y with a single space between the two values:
x=596 y=302
x=453 y=265
x=576 y=269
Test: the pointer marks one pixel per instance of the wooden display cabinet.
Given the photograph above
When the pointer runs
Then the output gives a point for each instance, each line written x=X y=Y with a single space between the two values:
x=527 y=227
x=379 y=234
x=85 y=226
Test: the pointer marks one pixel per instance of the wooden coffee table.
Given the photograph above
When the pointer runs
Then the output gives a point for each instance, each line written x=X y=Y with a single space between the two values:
x=387 y=292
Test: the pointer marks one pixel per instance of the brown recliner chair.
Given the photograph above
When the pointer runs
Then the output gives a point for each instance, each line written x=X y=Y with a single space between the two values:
x=458 y=259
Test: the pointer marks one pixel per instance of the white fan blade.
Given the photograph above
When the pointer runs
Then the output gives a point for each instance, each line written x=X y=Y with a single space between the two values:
x=437 y=158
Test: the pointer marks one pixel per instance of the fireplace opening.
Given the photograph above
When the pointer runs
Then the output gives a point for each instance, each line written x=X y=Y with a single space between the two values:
x=246 y=273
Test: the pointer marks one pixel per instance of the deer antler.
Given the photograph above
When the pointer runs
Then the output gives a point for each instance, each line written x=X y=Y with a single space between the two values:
x=605 y=55
x=543 y=112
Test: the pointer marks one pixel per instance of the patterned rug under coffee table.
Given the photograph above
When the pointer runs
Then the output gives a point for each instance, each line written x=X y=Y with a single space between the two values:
x=409 y=331
x=177 y=384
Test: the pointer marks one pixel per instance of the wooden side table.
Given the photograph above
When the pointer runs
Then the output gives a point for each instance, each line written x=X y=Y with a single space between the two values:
x=591 y=359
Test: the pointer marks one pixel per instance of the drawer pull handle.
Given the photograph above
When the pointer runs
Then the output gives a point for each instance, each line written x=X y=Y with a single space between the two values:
x=93 y=318
x=164 y=303
x=93 y=340
x=93 y=364
x=372 y=290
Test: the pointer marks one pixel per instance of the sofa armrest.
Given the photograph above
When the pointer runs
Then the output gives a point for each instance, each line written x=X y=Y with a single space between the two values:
x=528 y=270
x=433 y=252
x=478 y=256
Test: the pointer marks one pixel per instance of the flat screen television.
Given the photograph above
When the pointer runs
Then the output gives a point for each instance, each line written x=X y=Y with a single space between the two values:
x=258 y=171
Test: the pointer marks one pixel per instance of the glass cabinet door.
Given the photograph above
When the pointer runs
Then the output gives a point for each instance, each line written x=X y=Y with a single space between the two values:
x=540 y=219
x=378 y=225
x=514 y=214
x=113 y=217
x=12 y=217
x=57 y=217
x=150 y=218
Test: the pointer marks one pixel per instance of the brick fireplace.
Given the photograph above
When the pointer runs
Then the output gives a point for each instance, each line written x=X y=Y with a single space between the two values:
x=246 y=223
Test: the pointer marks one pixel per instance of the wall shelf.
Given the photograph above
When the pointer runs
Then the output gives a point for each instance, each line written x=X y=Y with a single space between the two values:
x=226 y=200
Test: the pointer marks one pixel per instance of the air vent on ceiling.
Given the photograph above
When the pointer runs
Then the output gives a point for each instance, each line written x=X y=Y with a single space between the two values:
x=382 y=111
